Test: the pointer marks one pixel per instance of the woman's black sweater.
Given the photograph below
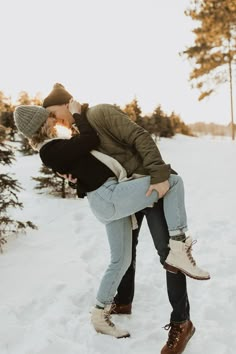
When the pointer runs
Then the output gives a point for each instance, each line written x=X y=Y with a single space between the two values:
x=71 y=156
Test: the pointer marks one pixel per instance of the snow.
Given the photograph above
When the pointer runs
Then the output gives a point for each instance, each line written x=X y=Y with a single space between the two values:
x=49 y=277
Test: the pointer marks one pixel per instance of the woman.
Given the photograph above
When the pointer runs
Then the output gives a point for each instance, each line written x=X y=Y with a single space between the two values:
x=112 y=197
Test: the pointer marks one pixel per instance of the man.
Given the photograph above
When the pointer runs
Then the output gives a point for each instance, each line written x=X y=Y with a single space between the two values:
x=136 y=151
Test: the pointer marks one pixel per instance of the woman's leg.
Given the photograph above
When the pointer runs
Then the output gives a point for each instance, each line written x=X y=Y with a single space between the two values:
x=115 y=200
x=119 y=234
x=174 y=207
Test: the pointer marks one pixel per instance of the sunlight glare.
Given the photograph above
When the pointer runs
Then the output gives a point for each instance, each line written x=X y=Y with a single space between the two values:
x=63 y=132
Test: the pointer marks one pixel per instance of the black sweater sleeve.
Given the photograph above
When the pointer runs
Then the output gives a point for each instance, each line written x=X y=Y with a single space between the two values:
x=62 y=155
x=82 y=123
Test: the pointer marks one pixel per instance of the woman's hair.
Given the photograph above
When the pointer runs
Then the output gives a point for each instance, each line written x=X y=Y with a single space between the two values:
x=47 y=131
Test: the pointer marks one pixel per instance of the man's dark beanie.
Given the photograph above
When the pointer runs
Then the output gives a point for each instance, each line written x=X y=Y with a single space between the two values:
x=57 y=96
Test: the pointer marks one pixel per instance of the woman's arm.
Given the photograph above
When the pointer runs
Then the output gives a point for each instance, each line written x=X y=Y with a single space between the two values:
x=62 y=155
x=82 y=123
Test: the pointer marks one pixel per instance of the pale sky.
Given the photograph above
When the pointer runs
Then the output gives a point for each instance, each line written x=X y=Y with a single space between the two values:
x=105 y=51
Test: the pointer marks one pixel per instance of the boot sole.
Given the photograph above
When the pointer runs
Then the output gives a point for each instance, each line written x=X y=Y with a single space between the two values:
x=126 y=336
x=121 y=313
x=107 y=334
x=175 y=270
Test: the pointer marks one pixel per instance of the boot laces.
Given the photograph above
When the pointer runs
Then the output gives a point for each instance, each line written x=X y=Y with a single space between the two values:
x=174 y=334
x=107 y=316
x=189 y=250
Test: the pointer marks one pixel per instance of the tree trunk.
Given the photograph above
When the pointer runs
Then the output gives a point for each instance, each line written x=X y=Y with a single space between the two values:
x=231 y=100
x=63 y=189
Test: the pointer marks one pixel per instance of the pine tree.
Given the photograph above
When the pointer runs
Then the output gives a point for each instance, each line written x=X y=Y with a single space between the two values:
x=25 y=147
x=178 y=125
x=161 y=124
x=7 y=121
x=37 y=100
x=9 y=187
x=214 y=51
x=24 y=98
x=4 y=102
x=6 y=115
x=133 y=110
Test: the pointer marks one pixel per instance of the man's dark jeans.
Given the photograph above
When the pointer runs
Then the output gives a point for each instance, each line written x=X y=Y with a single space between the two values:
x=176 y=283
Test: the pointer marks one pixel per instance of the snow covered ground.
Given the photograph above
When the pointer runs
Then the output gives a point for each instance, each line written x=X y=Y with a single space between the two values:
x=49 y=277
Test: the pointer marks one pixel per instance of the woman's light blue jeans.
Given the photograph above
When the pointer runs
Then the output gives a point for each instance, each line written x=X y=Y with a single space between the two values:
x=113 y=203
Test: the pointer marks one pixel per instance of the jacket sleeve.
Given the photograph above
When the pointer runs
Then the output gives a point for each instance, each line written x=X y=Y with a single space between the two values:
x=134 y=136
x=62 y=155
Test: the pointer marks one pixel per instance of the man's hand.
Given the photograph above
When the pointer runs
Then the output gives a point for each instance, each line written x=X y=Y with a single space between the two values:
x=161 y=188
x=74 y=106
x=68 y=177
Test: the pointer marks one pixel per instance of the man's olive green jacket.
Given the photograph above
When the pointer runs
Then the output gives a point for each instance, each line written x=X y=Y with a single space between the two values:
x=127 y=142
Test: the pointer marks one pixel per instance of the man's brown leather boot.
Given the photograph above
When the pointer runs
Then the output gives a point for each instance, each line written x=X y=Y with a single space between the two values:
x=121 y=309
x=179 y=335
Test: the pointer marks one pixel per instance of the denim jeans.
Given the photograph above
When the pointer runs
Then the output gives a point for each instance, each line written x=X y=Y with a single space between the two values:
x=114 y=201
x=176 y=283
x=119 y=233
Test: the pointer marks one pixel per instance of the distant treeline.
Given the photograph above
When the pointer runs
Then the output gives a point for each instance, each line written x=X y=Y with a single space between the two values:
x=202 y=128
x=158 y=123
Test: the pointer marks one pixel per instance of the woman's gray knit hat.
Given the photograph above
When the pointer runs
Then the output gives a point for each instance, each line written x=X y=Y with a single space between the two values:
x=29 y=119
